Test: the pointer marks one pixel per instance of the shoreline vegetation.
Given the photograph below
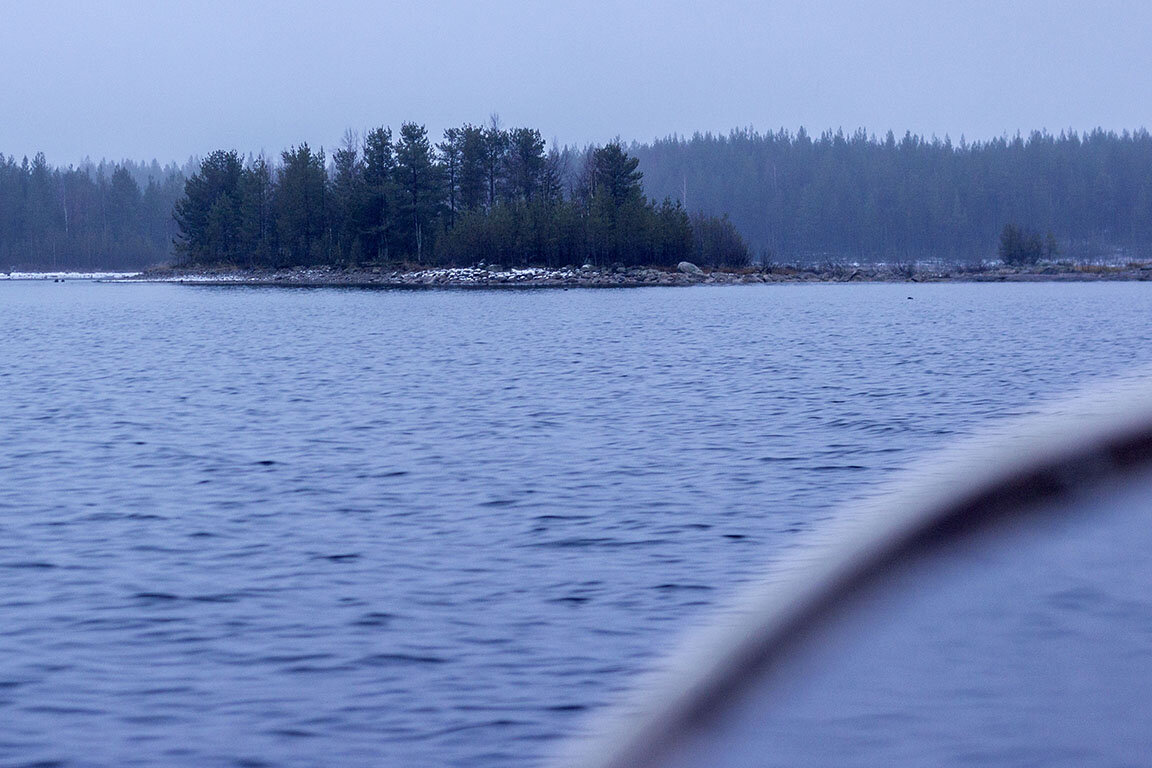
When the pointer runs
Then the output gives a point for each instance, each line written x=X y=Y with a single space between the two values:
x=483 y=194
x=619 y=276
x=496 y=195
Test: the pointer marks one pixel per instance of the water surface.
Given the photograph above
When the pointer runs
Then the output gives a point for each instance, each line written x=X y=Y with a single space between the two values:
x=246 y=526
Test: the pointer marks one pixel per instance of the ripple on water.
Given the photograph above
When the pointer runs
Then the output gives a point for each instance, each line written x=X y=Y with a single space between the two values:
x=256 y=527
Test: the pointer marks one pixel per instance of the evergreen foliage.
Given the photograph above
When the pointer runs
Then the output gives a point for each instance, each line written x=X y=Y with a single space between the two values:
x=865 y=198
x=301 y=205
x=484 y=193
x=480 y=195
x=472 y=183
x=1020 y=247
x=348 y=199
x=105 y=216
x=379 y=213
x=524 y=165
x=717 y=243
x=418 y=183
x=208 y=216
x=614 y=173
x=451 y=159
x=257 y=214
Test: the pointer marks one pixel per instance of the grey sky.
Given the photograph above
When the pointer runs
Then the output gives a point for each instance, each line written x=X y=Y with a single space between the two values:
x=149 y=78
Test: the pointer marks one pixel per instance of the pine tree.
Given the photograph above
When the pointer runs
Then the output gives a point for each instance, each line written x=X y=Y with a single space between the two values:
x=204 y=236
x=418 y=181
x=473 y=182
x=348 y=199
x=615 y=172
x=553 y=176
x=257 y=215
x=451 y=157
x=301 y=206
x=525 y=164
x=495 y=149
x=377 y=221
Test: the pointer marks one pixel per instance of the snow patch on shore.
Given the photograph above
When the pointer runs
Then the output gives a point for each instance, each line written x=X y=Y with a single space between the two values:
x=223 y=277
x=481 y=275
x=322 y=276
x=66 y=275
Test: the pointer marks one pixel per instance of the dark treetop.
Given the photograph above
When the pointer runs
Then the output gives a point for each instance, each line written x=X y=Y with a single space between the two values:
x=482 y=194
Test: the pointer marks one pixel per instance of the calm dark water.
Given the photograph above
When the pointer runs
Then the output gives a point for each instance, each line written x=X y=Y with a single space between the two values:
x=269 y=527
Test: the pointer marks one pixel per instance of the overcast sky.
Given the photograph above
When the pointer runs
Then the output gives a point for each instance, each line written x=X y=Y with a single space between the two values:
x=150 y=78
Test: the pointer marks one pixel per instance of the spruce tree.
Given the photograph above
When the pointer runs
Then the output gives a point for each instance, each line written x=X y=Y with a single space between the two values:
x=495 y=149
x=525 y=164
x=451 y=158
x=377 y=221
x=615 y=172
x=418 y=182
x=473 y=181
x=257 y=218
x=348 y=200
x=301 y=206
x=215 y=185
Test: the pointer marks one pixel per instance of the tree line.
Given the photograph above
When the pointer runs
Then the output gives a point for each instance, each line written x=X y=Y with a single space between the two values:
x=860 y=197
x=481 y=194
x=103 y=216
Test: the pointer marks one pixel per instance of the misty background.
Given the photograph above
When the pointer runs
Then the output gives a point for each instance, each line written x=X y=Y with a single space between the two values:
x=167 y=80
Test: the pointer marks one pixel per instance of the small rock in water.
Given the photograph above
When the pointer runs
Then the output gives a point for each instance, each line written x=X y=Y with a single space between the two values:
x=689 y=268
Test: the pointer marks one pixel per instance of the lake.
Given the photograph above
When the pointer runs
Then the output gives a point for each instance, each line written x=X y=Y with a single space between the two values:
x=252 y=526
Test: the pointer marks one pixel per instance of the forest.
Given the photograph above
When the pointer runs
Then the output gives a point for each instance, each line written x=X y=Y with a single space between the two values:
x=482 y=194
x=861 y=198
x=488 y=194
x=95 y=216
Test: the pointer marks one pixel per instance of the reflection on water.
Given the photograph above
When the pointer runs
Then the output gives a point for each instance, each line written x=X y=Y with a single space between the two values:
x=246 y=526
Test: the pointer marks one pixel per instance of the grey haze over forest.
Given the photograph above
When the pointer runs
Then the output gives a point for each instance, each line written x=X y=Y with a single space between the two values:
x=169 y=80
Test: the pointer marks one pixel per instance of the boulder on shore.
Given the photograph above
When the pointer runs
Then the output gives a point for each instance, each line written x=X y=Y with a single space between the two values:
x=689 y=268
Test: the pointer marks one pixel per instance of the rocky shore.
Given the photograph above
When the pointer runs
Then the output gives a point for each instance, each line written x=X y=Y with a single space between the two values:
x=627 y=277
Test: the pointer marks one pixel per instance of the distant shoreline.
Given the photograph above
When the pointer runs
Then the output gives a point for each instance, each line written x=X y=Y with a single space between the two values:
x=635 y=277
x=619 y=277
